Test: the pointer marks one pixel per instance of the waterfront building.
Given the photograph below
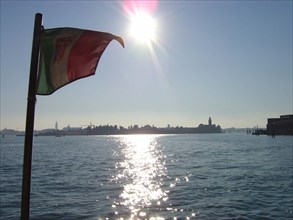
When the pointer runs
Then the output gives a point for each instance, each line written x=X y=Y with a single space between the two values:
x=280 y=126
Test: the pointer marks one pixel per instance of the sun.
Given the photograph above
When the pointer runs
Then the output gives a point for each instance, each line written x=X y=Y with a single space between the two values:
x=143 y=27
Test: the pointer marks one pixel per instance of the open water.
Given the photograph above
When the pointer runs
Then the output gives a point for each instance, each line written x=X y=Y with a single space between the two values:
x=198 y=176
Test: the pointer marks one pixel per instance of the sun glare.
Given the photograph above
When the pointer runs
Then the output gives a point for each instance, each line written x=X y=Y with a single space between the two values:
x=143 y=27
x=143 y=24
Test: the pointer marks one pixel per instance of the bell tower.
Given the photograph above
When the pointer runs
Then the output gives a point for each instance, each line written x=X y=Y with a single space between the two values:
x=210 y=121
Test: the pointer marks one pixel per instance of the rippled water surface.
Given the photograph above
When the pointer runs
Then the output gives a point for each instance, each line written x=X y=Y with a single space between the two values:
x=200 y=176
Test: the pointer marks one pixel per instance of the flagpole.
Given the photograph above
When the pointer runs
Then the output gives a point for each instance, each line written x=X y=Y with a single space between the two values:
x=30 y=115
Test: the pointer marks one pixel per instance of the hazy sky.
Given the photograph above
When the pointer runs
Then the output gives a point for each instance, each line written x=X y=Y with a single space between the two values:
x=229 y=60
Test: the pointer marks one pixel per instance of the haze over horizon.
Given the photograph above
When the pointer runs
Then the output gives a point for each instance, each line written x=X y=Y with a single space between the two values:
x=228 y=60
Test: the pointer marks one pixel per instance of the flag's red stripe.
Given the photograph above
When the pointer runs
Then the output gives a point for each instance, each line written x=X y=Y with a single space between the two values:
x=85 y=54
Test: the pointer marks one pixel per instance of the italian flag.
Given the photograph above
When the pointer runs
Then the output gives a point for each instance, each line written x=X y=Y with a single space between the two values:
x=69 y=54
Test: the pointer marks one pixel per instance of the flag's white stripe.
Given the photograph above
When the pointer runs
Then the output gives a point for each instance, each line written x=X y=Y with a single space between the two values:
x=59 y=70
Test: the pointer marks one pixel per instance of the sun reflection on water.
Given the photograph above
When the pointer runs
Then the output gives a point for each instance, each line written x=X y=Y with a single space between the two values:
x=141 y=172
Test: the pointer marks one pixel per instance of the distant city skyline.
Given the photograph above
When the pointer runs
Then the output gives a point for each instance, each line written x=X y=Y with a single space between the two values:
x=209 y=121
x=120 y=130
x=229 y=60
x=55 y=126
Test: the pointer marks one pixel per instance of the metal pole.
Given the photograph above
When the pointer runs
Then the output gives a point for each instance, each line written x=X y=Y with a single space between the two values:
x=30 y=116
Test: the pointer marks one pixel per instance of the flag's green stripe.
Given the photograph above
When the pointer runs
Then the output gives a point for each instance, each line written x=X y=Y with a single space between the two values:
x=42 y=80
x=47 y=52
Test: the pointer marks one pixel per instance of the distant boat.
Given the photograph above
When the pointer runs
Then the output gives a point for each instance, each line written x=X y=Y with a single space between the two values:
x=259 y=132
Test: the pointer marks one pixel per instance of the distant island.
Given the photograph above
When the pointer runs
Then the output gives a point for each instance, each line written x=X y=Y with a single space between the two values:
x=275 y=126
x=119 y=130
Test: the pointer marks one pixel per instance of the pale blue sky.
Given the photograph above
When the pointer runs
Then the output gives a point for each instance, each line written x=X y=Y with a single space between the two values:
x=231 y=60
